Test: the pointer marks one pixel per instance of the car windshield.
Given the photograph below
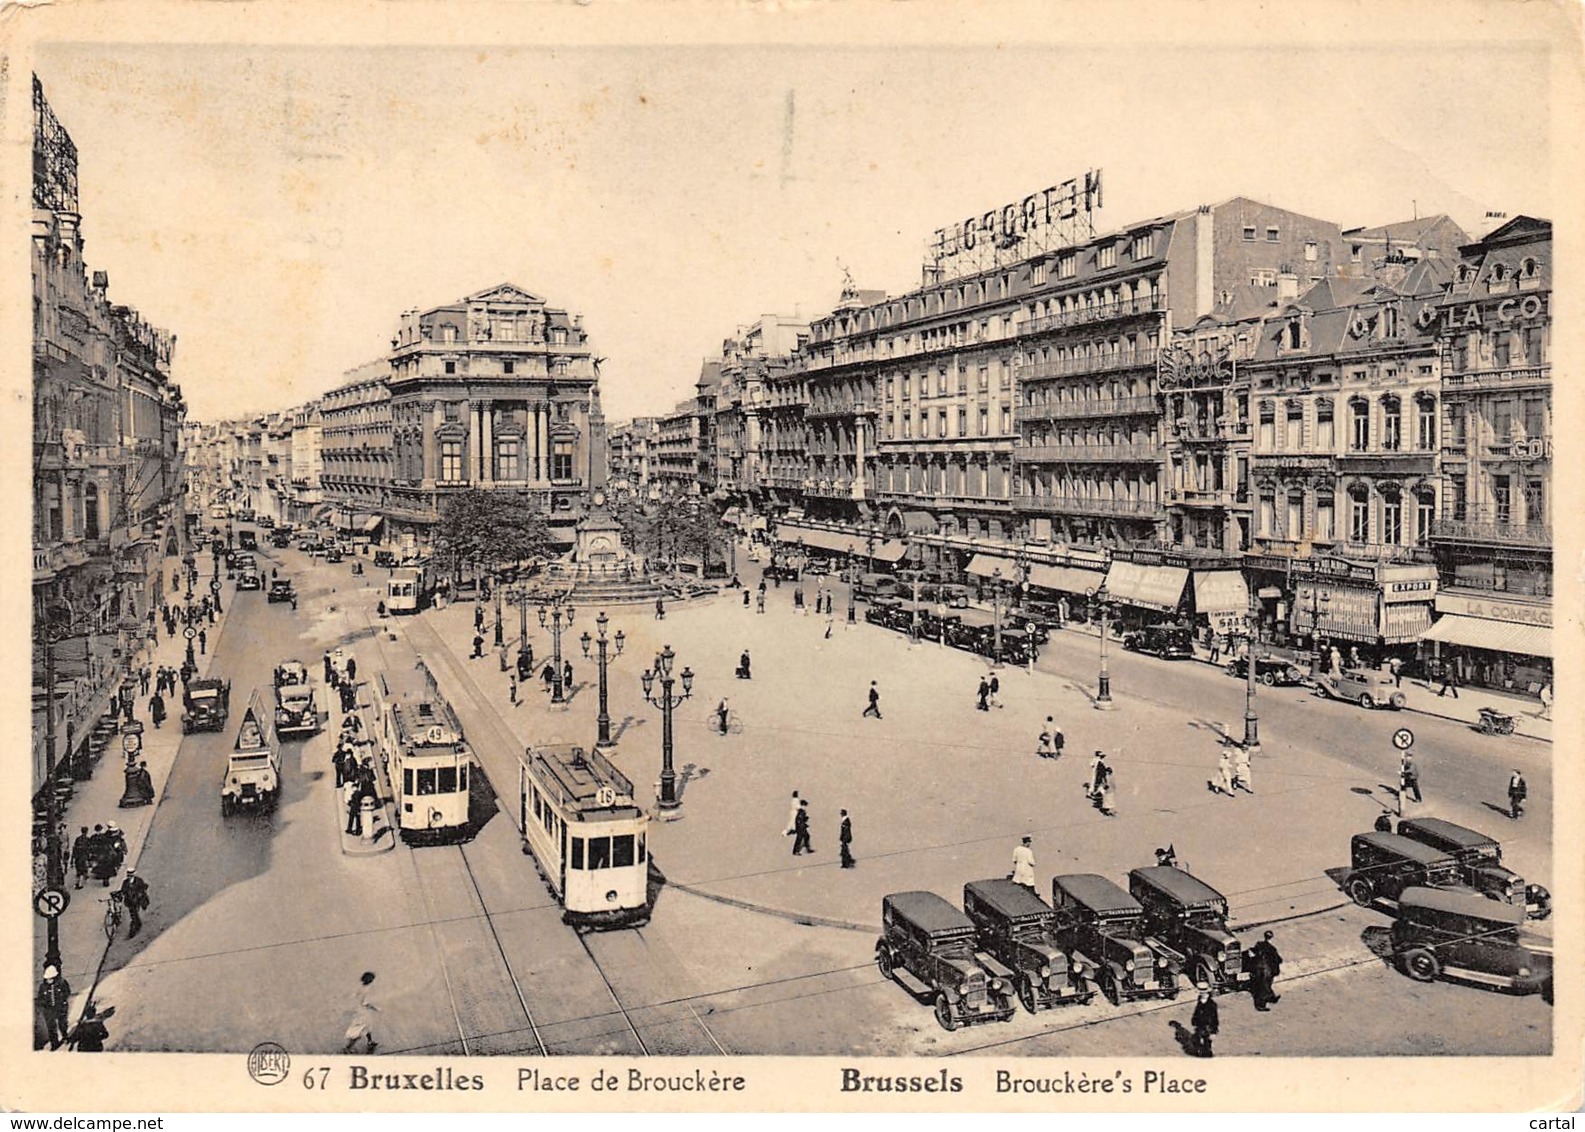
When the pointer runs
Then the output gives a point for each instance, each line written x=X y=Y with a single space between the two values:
x=295 y=697
x=1127 y=926
x=1205 y=917
x=961 y=948
x=204 y=693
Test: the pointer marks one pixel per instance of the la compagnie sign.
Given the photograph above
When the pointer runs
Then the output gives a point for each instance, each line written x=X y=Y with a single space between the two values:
x=1054 y=210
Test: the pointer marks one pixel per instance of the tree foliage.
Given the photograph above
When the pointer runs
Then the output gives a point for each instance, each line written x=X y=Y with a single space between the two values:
x=486 y=530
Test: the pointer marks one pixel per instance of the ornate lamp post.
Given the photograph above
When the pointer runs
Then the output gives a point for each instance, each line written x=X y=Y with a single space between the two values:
x=500 y=634
x=852 y=583
x=1251 y=719
x=604 y=739
x=53 y=625
x=667 y=701
x=1101 y=603
x=996 y=615
x=522 y=620
x=551 y=612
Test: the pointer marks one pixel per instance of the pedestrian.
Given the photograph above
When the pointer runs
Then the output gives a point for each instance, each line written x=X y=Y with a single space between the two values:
x=1545 y=696
x=330 y=671
x=798 y=598
x=874 y=708
x=547 y=675
x=134 y=892
x=1107 y=796
x=54 y=1000
x=478 y=646
x=845 y=840
x=759 y=602
x=1241 y=777
x=721 y=715
x=1043 y=744
x=566 y=674
x=81 y=847
x=525 y=664
x=203 y=641
x=830 y=622
x=983 y=696
x=1058 y=739
x=660 y=609
x=145 y=782
x=1265 y=964
x=157 y=709
x=1449 y=681
x=1024 y=864
x=117 y=842
x=1216 y=647
x=1223 y=783
x=362 y=1024
x=144 y=676
x=339 y=761
x=90 y=1034
x=352 y=670
x=745 y=598
x=996 y=691
x=511 y=687
x=1337 y=660
x=792 y=815
x=801 y=842
x=744 y=667
x=478 y=617
x=1395 y=666
x=1092 y=786
x=1206 y=1021
x=1409 y=777
x=1517 y=792
x=353 y=797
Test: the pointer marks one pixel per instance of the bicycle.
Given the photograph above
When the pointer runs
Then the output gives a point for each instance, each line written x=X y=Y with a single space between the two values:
x=113 y=915
x=734 y=724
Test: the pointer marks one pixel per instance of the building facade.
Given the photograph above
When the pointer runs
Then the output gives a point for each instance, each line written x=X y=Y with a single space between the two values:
x=497 y=391
x=678 y=450
x=632 y=453
x=307 y=466
x=356 y=448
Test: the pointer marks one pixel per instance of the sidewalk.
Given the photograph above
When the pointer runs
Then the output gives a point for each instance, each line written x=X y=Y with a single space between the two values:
x=95 y=802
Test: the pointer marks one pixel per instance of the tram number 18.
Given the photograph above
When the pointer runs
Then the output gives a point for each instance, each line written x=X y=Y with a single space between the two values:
x=605 y=796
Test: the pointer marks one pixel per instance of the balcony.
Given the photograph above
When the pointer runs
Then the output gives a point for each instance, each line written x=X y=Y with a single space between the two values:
x=1139 y=453
x=1095 y=407
x=1480 y=380
x=1204 y=497
x=1103 y=363
x=1087 y=316
x=1066 y=505
x=844 y=409
x=1494 y=530
x=1402 y=462
x=1190 y=430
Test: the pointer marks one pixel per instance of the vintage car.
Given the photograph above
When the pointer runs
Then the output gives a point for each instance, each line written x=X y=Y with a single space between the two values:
x=1036 y=625
x=206 y=704
x=1479 y=859
x=281 y=538
x=869 y=586
x=818 y=566
x=1463 y=937
x=253 y=771
x=248 y=539
x=312 y=545
x=296 y=713
x=1172 y=642
x=929 y=947
x=1365 y=686
x=266 y=522
x=281 y=590
x=1272 y=671
x=1018 y=646
x=249 y=580
x=242 y=561
x=1191 y=917
x=333 y=552
x=1382 y=865
x=1014 y=927
x=782 y=569
x=1104 y=927
x=385 y=559
x=883 y=611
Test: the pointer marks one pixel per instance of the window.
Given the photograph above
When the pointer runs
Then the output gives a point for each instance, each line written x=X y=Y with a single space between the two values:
x=1007 y=419
x=907 y=386
x=1425 y=422
x=1535 y=418
x=1359 y=432
x=1531 y=336
x=984 y=379
x=509 y=366
x=1249 y=231
x=941 y=423
x=1457 y=423
x=1039 y=273
x=1501 y=349
x=451 y=367
x=1295 y=517
x=984 y=421
x=963 y=422
x=1353 y=253
x=1272 y=235
x=622 y=850
x=1358 y=516
x=577 y=852
x=1106 y=256
x=1392 y=520
x=599 y=853
x=1268 y=426
x=1325 y=438
x=941 y=383
x=1268 y=516
x=908 y=424
x=426 y=780
x=1325 y=523
x=561 y=460
x=1502 y=422
x=446 y=780
x=451 y=460
x=1535 y=501
x=1144 y=245
x=506 y=460
x=1458 y=494
x=1294 y=426
x=1502 y=497
x=453 y=411
x=1460 y=358
x=1391 y=424
x=91 y=511
x=1067 y=265
x=1310 y=251
x=1264 y=277
x=1424 y=516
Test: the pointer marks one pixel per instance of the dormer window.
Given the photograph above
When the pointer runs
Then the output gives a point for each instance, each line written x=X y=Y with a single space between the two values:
x=1295 y=337
x=1466 y=273
x=1529 y=268
x=1106 y=256
x=1144 y=245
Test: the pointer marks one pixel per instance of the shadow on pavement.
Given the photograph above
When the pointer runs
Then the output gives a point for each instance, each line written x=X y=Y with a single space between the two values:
x=1378 y=940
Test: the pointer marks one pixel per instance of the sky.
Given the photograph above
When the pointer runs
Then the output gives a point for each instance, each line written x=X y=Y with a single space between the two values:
x=279 y=207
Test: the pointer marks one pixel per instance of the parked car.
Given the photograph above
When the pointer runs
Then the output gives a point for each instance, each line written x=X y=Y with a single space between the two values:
x=1382 y=865
x=385 y=559
x=928 y=946
x=333 y=553
x=249 y=580
x=248 y=539
x=1272 y=671
x=295 y=710
x=1464 y=937
x=281 y=590
x=280 y=538
x=870 y=586
x=818 y=566
x=1105 y=927
x=1172 y=642
x=883 y=612
x=1015 y=926
x=206 y=704
x=1191 y=917
x=1479 y=859
x=1365 y=686
x=242 y=560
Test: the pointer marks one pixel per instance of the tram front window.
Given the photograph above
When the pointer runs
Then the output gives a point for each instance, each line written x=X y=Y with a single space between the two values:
x=599 y=852
x=446 y=783
x=622 y=850
x=426 y=780
x=577 y=852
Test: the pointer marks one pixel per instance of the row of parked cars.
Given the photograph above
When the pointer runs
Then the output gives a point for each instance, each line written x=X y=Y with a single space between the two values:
x=1007 y=946
x=971 y=629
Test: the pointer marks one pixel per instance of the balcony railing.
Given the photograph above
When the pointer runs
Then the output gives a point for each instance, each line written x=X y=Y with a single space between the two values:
x=1498 y=378
x=1094 y=407
x=1069 y=505
x=1101 y=363
x=1088 y=453
x=1084 y=316
x=1492 y=530
x=1205 y=497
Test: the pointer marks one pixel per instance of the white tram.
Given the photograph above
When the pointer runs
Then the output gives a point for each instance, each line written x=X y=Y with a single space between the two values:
x=581 y=824
x=409 y=589
x=426 y=754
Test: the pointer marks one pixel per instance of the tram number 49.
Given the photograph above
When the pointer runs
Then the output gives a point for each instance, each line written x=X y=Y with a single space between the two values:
x=317 y=1077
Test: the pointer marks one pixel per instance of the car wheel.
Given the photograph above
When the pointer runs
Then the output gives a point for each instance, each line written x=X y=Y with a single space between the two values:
x=1320 y=691
x=1397 y=701
x=1420 y=964
x=1366 y=700
x=1108 y=983
x=1269 y=679
x=1026 y=992
x=883 y=962
x=1231 y=670
x=944 y=1014
x=1361 y=891
x=225 y=806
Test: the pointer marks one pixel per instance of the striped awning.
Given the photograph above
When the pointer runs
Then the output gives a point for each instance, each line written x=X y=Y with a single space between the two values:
x=892 y=550
x=1220 y=591
x=1149 y=587
x=985 y=565
x=1066 y=579
x=1498 y=636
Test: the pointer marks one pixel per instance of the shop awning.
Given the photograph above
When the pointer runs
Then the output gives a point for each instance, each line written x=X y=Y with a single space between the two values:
x=919 y=523
x=984 y=565
x=1220 y=591
x=368 y=524
x=1067 y=579
x=1149 y=587
x=757 y=523
x=892 y=550
x=1498 y=636
x=322 y=512
x=815 y=538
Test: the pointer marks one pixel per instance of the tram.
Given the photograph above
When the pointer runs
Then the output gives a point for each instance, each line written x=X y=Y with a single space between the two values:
x=588 y=836
x=409 y=589
x=426 y=753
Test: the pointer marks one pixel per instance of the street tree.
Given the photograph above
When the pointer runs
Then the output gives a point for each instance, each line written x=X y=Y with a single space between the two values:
x=484 y=531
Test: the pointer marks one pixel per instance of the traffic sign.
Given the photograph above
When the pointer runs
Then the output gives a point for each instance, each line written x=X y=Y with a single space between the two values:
x=214 y=586
x=51 y=902
x=1403 y=738
x=189 y=632
x=132 y=742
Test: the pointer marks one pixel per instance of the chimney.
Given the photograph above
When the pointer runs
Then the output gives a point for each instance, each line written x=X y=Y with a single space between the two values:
x=1287 y=286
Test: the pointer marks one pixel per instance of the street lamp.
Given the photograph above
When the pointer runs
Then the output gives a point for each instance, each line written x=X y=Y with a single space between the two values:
x=667 y=702
x=853 y=582
x=601 y=622
x=522 y=620
x=550 y=611
x=500 y=635
x=1101 y=603
x=50 y=633
x=996 y=614
x=1251 y=719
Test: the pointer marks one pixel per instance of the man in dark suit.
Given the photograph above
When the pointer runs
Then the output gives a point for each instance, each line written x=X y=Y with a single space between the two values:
x=1206 y=1021
x=801 y=842
x=1265 y=964
x=845 y=839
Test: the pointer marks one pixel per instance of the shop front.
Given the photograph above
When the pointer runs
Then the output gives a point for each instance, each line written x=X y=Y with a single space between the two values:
x=1492 y=641
x=1143 y=592
x=1221 y=601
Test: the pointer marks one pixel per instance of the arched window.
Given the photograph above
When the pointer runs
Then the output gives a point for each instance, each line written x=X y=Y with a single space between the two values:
x=1391 y=423
x=1392 y=517
x=91 y=511
x=1425 y=422
x=1295 y=334
x=1528 y=268
x=1268 y=426
x=1325 y=435
x=1358 y=514
x=1424 y=517
x=1359 y=425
